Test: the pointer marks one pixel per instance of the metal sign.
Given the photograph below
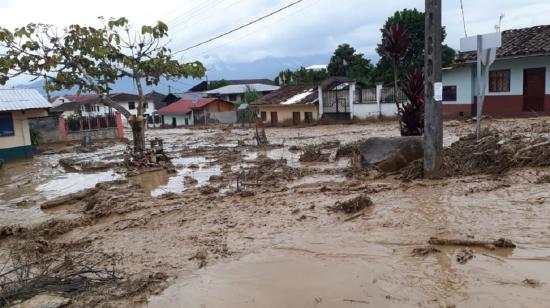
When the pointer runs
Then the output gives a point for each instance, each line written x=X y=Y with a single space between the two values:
x=485 y=46
x=491 y=40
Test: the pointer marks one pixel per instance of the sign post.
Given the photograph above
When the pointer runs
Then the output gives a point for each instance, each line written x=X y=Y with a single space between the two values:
x=485 y=47
x=433 y=90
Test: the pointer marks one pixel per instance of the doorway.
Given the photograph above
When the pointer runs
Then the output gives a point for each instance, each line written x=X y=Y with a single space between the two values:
x=274 y=119
x=533 y=89
x=174 y=123
x=295 y=118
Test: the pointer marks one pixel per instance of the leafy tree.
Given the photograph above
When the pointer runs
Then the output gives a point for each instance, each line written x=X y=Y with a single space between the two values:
x=251 y=95
x=300 y=76
x=91 y=59
x=346 y=62
x=413 y=22
x=214 y=84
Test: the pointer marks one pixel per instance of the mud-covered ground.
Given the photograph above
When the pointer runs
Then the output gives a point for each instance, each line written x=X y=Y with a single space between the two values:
x=239 y=226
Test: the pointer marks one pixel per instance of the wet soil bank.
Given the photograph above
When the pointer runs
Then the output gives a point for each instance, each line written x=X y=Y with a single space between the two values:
x=238 y=226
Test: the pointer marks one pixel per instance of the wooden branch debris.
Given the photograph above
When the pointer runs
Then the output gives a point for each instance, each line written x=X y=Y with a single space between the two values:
x=500 y=243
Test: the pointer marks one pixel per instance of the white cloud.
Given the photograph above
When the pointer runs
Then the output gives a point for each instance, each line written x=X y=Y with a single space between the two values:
x=311 y=27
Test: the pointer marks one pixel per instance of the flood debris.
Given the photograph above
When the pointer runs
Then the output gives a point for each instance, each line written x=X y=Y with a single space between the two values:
x=424 y=251
x=201 y=256
x=465 y=255
x=494 y=153
x=532 y=282
x=312 y=153
x=500 y=243
x=208 y=190
x=67 y=272
x=154 y=157
x=353 y=205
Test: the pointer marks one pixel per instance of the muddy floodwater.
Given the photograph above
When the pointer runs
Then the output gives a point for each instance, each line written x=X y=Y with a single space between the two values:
x=239 y=226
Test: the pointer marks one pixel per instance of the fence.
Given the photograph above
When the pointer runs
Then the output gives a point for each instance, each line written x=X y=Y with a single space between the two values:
x=80 y=123
x=58 y=129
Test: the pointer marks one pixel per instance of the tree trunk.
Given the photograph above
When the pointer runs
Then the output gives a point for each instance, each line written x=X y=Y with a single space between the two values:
x=138 y=132
x=395 y=89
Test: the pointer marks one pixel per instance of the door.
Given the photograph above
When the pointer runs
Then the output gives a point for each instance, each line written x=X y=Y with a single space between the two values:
x=295 y=118
x=533 y=89
x=174 y=123
x=186 y=121
x=274 y=119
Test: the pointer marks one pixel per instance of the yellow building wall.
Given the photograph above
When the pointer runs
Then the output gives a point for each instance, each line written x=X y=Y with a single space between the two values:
x=284 y=112
x=22 y=135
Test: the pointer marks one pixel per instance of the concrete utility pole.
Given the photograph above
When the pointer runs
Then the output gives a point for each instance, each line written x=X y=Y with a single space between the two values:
x=433 y=90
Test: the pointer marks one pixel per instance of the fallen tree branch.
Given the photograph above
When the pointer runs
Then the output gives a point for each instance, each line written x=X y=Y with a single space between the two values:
x=500 y=243
x=528 y=148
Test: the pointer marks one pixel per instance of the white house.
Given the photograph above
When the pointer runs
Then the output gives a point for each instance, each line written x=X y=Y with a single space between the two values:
x=17 y=106
x=518 y=80
x=90 y=105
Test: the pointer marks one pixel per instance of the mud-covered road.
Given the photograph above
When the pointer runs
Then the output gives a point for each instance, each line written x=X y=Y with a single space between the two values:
x=238 y=226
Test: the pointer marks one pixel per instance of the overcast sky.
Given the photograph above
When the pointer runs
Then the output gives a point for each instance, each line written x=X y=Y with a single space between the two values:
x=312 y=27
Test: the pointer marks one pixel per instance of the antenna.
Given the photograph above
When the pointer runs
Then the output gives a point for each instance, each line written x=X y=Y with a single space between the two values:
x=500 y=18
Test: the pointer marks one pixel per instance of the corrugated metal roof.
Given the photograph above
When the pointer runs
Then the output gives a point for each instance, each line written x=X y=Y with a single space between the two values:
x=241 y=88
x=22 y=99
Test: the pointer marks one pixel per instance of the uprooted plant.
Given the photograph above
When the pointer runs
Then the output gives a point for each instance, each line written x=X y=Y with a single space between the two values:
x=27 y=272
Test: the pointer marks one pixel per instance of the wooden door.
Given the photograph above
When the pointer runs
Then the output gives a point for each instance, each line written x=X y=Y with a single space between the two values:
x=533 y=89
x=295 y=118
x=174 y=123
x=274 y=119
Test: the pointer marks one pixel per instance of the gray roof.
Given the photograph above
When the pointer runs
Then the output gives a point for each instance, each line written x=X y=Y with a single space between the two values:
x=241 y=88
x=22 y=99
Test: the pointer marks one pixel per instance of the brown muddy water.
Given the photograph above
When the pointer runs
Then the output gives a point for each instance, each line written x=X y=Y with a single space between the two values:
x=281 y=247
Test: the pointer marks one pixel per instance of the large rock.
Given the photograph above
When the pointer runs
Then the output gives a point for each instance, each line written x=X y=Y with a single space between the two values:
x=391 y=153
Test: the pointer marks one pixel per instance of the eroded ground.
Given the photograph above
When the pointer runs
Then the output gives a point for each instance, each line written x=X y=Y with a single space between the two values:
x=238 y=226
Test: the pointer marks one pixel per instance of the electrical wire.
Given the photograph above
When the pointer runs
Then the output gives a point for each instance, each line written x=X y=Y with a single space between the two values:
x=238 y=28
x=463 y=19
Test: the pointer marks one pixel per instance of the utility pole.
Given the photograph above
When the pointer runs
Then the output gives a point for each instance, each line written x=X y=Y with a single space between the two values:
x=433 y=90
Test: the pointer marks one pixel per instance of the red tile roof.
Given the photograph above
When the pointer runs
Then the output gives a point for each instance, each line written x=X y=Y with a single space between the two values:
x=184 y=106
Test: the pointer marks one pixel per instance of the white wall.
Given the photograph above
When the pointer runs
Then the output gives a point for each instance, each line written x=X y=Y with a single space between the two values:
x=462 y=78
x=22 y=135
x=180 y=119
x=363 y=111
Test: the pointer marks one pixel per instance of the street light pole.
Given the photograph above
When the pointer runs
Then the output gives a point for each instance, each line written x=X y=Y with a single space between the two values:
x=433 y=91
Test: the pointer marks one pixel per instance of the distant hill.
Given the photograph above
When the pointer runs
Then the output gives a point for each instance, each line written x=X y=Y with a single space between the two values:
x=264 y=68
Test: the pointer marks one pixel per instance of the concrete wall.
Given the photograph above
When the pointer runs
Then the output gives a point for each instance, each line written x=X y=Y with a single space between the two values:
x=461 y=77
x=47 y=127
x=226 y=117
x=284 y=112
x=180 y=119
x=22 y=135
x=516 y=67
x=96 y=134
x=364 y=111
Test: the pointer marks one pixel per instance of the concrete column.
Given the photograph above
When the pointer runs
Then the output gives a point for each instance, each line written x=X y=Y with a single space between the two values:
x=63 y=130
x=379 y=98
x=120 y=128
x=320 y=89
x=351 y=98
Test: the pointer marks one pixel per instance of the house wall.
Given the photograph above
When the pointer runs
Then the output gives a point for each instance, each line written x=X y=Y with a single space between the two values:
x=148 y=111
x=496 y=103
x=19 y=145
x=364 y=111
x=224 y=117
x=220 y=106
x=180 y=119
x=284 y=112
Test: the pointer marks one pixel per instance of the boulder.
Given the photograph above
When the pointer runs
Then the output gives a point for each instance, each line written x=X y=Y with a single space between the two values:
x=390 y=154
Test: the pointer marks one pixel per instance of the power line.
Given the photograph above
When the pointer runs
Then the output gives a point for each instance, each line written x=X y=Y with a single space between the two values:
x=246 y=35
x=463 y=19
x=239 y=28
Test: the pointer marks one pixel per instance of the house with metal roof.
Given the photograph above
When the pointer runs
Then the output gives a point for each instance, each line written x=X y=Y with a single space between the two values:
x=190 y=112
x=207 y=84
x=519 y=79
x=235 y=92
x=17 y=106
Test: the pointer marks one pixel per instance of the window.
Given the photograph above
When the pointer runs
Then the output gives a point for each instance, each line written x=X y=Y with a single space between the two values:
x=6 y=124
x=499 y=81
x=263 y=115
x=449 y=93
x=131 y=105
x=308 y=117
x=232 y=97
